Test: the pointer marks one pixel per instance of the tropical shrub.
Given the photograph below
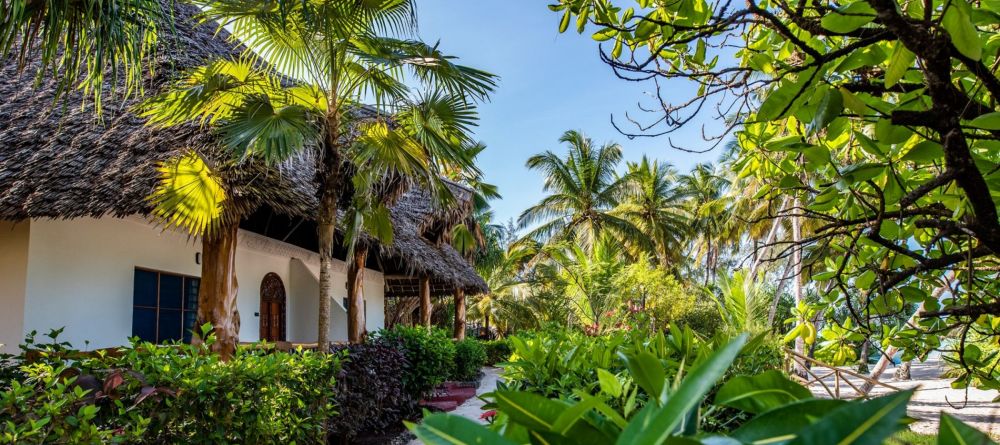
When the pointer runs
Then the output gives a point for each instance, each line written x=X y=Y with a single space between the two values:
x=470 y=357
x=703 y=318
x=430 y=355
x=178 y=393
x=782 y=412
x=370 y=395
x=497 y=351
x=574 y=366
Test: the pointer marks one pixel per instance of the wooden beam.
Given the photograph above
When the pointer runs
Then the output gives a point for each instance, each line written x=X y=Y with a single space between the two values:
x=459 y=313
x=425 y=301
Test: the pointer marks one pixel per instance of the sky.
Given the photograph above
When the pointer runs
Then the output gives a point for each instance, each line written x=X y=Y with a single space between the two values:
x=549 y=83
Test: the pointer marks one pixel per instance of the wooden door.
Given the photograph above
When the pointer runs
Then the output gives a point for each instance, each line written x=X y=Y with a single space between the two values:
x=272 y=308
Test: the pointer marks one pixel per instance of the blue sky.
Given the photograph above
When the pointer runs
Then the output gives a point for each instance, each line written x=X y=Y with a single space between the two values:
x=550 y=83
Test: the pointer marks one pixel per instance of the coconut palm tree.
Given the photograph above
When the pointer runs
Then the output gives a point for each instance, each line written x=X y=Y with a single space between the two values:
x=705 y=190
x=583 y=190
x=309 y=69
x=654 y=204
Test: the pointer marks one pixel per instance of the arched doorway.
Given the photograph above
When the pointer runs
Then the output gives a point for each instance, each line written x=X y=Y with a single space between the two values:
x=272 y=308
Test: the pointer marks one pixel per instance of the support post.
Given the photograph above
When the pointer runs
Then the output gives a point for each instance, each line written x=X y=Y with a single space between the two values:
x=459 y=313
x=356 y=296
x=217 y=291
x=425 y=301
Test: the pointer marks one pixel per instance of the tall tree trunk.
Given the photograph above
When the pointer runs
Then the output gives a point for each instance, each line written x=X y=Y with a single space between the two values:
x=797 y=274
x=459 y=313
x=863 y=366
x=218 y=289
x=425 y=301
x=356 y=296
x=325 y=233
x=768 y=240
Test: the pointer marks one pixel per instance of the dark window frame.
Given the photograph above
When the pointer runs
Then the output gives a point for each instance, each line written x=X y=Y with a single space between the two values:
x=183 y=310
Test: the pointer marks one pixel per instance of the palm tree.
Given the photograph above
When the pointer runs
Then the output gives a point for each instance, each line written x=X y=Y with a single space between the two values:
x=656 y=207
x=82 y=42
x=583 y=191
x=705 y=190
x=309 y=68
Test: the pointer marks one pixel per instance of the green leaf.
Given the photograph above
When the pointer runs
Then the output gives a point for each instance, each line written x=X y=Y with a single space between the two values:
x=760 y=393
x=988 y=121
x=901 y=60
x=924 y=151
x=655 y=424
x=777 y=101
x=564 y=23
x=540 y=414
x=954 y=432
x=859 y=423
x=829 y=108
x=781 y=424
x=957 y=21
x=609 y=383
x=605 y=34
x=861 y=172
x=445 y=429
x=647 y=372
x=849 y=18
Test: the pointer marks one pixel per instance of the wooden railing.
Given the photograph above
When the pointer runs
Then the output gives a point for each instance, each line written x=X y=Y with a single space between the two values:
x=840 y=376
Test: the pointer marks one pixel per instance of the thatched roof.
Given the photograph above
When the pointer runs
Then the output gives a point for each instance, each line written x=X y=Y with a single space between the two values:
x=60 y=162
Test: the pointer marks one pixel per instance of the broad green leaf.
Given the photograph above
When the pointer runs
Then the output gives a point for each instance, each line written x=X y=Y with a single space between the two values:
x=538 y=413
x=849 y=18
x=828 y=109
x=901 y=60
x=647 y=372
x=953 y=432
x=655 y=424
x=924 y=151
x=446 y=429
x=858 y=423
x=609 y=383
x=988 y=121
x=861 y=172
x=957 y=21
x=760 y=393
x=780 y=425
x=564 y=23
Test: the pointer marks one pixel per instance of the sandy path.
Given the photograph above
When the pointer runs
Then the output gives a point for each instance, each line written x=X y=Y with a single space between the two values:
x=934 y=395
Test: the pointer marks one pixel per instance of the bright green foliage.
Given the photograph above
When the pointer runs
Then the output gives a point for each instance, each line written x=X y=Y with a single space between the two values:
x=742 y=303
x=179 y=393
x=876 y=118
x=430 y=355
x=784 y=412
x=470 y=357
x=497 y=351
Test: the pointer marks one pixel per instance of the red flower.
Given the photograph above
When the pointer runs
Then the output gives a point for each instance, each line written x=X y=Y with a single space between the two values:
x=488 y=415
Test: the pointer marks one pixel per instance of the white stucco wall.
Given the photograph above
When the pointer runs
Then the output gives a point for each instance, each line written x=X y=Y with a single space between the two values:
x=80 y=273
x=13 y=276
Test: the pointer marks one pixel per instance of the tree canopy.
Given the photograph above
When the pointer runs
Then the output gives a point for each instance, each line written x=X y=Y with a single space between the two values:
x=876 y=119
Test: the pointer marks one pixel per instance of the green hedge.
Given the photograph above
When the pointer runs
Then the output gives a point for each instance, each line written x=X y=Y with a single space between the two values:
x=170 y=394
x=497 y=351
x=430 y=355
x=470 y=357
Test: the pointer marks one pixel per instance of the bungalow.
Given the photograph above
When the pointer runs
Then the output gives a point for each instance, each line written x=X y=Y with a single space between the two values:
x=78 y=249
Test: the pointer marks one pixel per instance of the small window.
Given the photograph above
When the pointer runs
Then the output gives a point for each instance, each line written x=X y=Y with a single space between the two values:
x=164 y=306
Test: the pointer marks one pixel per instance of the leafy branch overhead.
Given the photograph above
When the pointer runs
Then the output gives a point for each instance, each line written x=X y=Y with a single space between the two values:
x=879 y=118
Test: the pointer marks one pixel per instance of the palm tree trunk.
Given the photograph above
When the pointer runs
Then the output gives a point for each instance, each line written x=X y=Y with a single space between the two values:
x=768 y=240
x=325 y=231
x=356 y=296
x=773 y=312
x=217 y=291
x=459 y=313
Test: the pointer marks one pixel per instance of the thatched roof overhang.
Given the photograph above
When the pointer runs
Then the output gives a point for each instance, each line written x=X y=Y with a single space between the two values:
x=57 y=160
